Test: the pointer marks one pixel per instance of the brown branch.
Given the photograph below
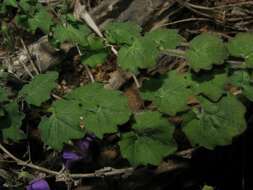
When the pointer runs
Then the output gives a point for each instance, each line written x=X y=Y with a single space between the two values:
x=107 y=171
x=30 y=165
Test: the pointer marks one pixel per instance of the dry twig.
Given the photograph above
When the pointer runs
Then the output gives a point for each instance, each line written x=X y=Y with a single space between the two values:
x=107 y=171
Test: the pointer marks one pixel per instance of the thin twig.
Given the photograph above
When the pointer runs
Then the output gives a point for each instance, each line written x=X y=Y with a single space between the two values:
x=38 y=63
x=7 y=161
x=25 y=67
x=85 y=66
x=56 y=96
x=187 y=20
x=136 y=81
x=26 y=164
x=98 y=173
x=81 y=12
x=29 y=57
x=107 y=171
x=221 y=6
x=184 y=4
x=175 y=52
x=185 y=44
x=115 y=52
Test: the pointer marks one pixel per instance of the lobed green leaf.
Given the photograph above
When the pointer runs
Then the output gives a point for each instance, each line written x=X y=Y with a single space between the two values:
x=122 y=32
x=94 y=59
x=211 y=85
x=150 y=141
x=102 y=109
x=215 y=124
x=241 y=46
x=13 y=131
x=39 y=89
x=244 y=81
x=41 y=20
x=165 y=38
x=63 y=125
x=205 y=51
x=69 y=33
x=141 y=54
x=3 y=95
x=173 y=94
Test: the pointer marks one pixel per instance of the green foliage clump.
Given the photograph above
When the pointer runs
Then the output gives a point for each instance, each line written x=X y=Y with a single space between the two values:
x=202 y=94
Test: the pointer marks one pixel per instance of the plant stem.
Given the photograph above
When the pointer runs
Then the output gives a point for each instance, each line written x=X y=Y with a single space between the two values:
x=136 y=81
x=29 y=56
x=85 y=66
x=26 y=164
x=175 y=52
x=107 y=171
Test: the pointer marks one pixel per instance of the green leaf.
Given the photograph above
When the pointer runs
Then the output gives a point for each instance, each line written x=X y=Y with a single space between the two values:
x=122 y=32
x=141 y=54
x=173 y=94
x=11 y=3
x=25 y=5
x=63 y=125
x=216 y=123
x=151 y=140
x=241 y=46
x=102 y=109
x=39 y=89
x=95 y=43
x=3 y=95
x=6 y=4
x=205 y=51
x=211 y=85
x=13 y=132
x=5 y=120
x=151 y=86
x=165 y=38
x=206 y=187
x=95 y=59
x=41 y=20
x=243 y=80
x=69 y=33
x=2 y=112
x=22 y=21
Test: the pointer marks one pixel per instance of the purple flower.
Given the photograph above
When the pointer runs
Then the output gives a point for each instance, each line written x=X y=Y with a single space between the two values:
x=38 y=184
x=69 y=157
x=84 y=144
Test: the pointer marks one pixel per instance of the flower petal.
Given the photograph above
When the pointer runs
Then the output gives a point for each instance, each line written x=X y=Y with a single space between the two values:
x=38 y=184
x=84 y=144
x=70 y=155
